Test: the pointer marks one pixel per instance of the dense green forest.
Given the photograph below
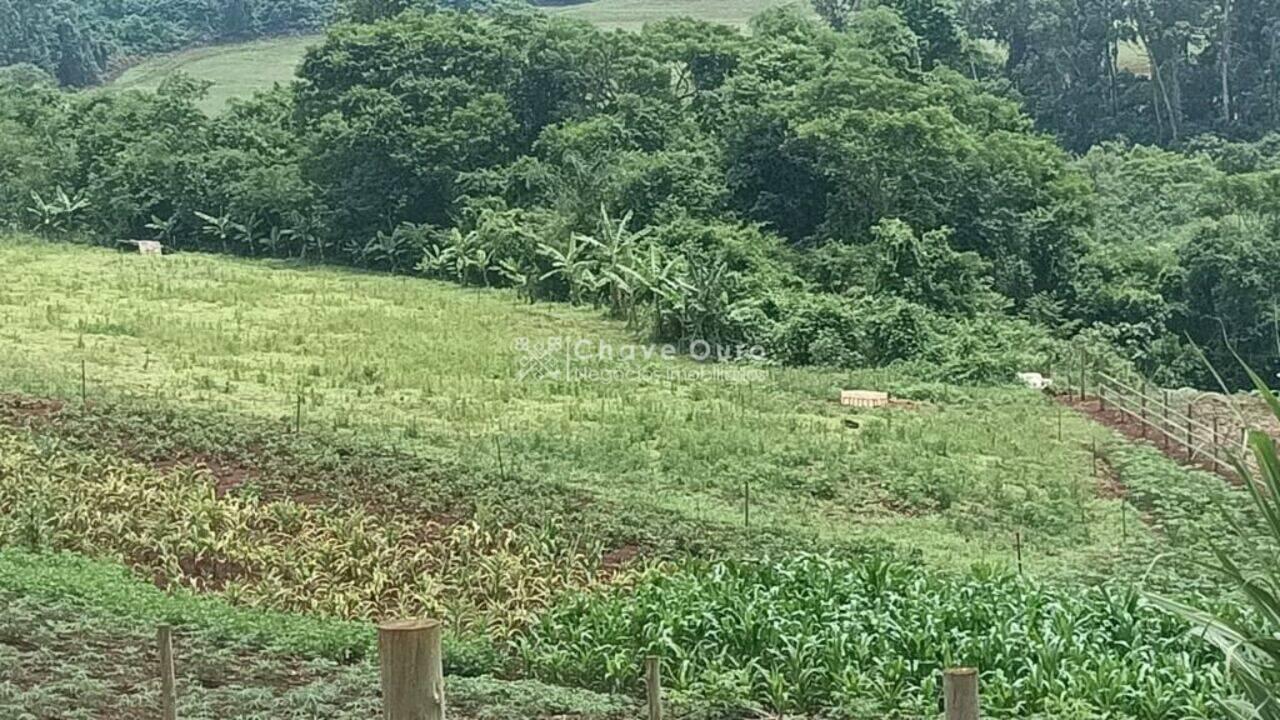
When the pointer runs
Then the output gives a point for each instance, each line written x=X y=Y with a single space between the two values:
x=857 y=191
x=1209 y=65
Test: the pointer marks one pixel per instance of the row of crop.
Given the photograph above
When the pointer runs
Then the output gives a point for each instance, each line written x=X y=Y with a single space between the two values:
x=868 y=638
x=180 y=529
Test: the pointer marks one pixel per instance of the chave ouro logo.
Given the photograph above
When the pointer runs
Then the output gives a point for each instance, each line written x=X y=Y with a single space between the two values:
x=598 y=360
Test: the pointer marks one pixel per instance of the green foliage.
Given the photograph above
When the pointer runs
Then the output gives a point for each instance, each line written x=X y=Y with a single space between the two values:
x=109 y=588
x=481 y=148
x=870 y=637
x=844 y=198
x=1176 y=260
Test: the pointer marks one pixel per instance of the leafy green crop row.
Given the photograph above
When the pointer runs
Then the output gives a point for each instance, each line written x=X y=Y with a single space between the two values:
x=869 y=639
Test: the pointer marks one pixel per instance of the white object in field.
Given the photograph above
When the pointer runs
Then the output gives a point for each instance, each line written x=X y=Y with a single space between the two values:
x=150 y=247
x=864 y=398
x=1035 y=381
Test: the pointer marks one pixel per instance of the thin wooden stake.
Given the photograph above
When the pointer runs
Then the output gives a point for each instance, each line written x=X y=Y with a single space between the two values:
x=960 y=693
x=746 y=504
x=84 y=383
x=653 y=686
x=168 y=682
x=412 y=668
x=1059 y=423
x=1190 y=437
x=1084 y=384
x=1017 y=547
x=1217 y=450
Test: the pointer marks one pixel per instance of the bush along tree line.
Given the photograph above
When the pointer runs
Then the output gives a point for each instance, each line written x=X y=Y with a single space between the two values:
x=826 y=194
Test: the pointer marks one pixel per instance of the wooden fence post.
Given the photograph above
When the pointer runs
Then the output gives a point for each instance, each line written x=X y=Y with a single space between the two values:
x=1190 y=432
x=1165 y=427
x=412 y=668
x=1144 y=409
x=1084 y=386
x=653 y=686
x=168 y=682
x=960 y=693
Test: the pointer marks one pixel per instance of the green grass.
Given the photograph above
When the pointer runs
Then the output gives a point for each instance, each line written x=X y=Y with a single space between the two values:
x=236 y=70
x=432 y=370
x=633 y=14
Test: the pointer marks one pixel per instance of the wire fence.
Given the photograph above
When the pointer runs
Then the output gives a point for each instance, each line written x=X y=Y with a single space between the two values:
x=1198 y=438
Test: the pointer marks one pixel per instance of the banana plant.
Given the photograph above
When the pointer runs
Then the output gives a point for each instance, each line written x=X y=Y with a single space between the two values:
x=308 y=232
x=57 y=214
x=437 y=260
x=275 y=239
x=164 y=230
x=220 y=228
x=520 y=274
x=615 y=252
x=573 y=266
x=249 y=234
x=652 y=276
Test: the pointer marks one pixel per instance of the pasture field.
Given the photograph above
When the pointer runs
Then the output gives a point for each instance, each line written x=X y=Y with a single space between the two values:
x=235 y=71
x=294 y=451
x=633 y=14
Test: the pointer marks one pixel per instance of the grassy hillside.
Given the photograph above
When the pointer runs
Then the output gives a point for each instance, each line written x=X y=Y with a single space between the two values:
x=431 y=368
x=351 y=446
x=234 y=70
x=633 y=14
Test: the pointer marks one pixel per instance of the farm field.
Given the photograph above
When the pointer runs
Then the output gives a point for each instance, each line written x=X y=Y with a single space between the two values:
x=305 y=447
x=633 y=14
x=235 y=71
x=431 y=369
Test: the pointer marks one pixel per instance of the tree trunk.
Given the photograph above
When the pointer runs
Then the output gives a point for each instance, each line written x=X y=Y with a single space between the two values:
x=1226 y=61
